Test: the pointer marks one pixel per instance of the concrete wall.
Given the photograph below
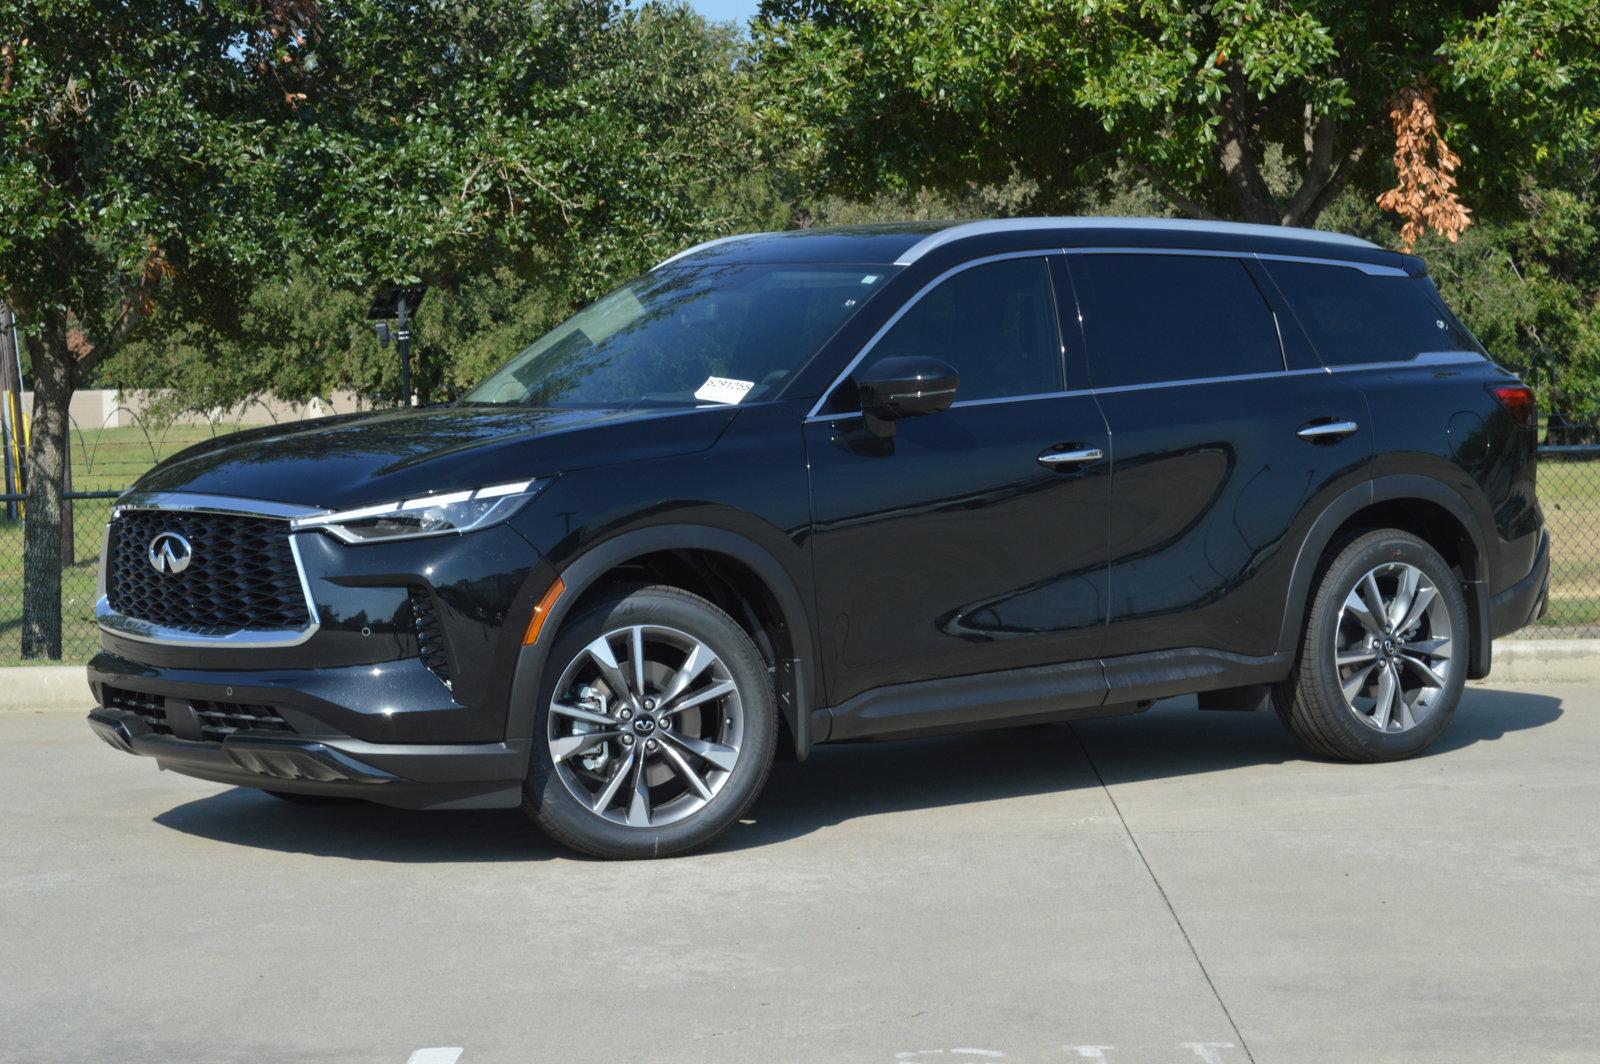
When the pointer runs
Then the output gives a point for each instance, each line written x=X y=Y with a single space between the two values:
x=103 y=408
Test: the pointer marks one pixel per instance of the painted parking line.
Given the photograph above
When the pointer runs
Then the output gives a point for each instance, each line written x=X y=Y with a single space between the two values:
x=436 y=1055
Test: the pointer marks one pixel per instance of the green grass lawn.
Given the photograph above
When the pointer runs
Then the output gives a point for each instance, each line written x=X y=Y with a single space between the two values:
x=1570 y=492
x=111 y=459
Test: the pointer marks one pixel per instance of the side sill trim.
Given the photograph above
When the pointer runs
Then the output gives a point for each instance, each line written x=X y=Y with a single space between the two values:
x=1096 y=687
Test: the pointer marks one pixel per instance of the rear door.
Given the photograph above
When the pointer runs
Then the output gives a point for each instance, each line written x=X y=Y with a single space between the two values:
x=966 y=544
x=1226 y=442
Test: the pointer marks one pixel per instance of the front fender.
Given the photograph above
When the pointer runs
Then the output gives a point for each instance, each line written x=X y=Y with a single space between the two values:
x=584 y=571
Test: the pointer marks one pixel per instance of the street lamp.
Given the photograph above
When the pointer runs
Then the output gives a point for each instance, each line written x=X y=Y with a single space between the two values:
x=398 y=303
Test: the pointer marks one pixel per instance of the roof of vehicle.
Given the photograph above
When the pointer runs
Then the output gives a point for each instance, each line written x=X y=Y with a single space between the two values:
x=904 y=243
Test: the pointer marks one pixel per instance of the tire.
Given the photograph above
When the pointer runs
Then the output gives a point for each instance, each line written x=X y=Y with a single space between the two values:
x=1407 y=681
x=583 y=787
x=312 y=799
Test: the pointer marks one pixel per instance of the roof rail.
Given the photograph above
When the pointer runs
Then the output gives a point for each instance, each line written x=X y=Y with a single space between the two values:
x=702 y=246
x=963 y=230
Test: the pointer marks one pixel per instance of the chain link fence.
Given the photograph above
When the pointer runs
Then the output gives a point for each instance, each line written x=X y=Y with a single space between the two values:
x=1569 y=488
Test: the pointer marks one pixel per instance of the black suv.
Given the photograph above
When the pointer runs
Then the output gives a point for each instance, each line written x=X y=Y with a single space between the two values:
x=867 y=483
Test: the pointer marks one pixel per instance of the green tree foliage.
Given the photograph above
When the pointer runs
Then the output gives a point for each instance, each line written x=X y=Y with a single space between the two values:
x=1208 y=103
x=519 y=158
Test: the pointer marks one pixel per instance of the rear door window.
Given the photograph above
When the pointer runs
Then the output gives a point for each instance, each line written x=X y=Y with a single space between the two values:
x=1354 y=318
x=1154 y=318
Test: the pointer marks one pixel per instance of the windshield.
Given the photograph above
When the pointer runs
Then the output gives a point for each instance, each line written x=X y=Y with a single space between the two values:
x=686 y=336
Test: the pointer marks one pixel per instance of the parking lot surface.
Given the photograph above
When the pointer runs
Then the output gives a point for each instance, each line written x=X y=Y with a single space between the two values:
x=1178 y=886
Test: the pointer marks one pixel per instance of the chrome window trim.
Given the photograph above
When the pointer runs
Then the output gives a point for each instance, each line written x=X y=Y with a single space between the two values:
x=126 y=627
x=1364 y=267
x=1220 y=253
x=866 y=349
x=1369 y=268
x=1150 y=225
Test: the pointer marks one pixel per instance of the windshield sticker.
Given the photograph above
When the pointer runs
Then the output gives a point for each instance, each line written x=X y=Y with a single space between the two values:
x=723 y=390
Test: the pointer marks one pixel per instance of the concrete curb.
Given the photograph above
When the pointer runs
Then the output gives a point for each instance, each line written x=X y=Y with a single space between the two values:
x=25 y=687
x=58 y=687
x=1545 y=661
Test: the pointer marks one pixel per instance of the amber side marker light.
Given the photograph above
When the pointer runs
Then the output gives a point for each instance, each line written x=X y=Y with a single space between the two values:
x=541 y=611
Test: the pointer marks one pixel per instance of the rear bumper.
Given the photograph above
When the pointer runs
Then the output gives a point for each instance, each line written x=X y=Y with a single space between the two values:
x=466 y=775
x=1525 y=601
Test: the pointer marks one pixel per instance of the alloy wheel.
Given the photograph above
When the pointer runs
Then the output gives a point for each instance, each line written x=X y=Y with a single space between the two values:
x=1393 y=647
x=645 y=725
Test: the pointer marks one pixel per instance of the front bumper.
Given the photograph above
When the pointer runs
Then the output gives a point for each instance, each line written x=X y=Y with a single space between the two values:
x=292 y=731
x=1525 y=601
x=467 y=776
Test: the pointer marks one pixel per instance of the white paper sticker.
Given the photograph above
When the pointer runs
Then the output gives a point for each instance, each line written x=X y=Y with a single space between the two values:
x=723 y=390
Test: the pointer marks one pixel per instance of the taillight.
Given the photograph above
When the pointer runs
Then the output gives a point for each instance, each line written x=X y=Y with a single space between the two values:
x=1518 y=400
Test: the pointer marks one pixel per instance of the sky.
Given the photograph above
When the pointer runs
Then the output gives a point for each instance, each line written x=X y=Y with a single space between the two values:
x=726 y=10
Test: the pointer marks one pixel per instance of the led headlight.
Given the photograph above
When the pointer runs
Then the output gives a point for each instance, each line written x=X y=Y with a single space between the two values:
x=429 y=515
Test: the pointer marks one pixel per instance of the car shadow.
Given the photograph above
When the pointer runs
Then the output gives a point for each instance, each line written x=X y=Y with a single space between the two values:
x=846 y=781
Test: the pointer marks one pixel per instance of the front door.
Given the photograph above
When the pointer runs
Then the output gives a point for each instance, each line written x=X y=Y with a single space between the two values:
x=967 y=543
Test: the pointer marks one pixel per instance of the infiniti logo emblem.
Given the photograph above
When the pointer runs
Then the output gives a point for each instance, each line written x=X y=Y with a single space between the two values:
x=170 y=553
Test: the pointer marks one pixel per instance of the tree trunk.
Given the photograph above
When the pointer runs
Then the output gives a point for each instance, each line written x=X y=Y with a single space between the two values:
x=54 y=371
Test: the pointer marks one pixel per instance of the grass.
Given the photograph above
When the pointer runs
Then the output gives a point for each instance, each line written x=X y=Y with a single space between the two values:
x=111 y=459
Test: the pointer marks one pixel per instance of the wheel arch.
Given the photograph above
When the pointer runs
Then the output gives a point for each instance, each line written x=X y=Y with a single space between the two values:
x=739 y=575
x=1426 y=507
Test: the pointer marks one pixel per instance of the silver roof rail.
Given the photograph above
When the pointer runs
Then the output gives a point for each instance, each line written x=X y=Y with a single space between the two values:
x=702 y=246
x=1158 y=225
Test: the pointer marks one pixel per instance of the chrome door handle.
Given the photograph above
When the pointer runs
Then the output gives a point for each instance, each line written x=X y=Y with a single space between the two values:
x=1327 y=430
x=1067 y=458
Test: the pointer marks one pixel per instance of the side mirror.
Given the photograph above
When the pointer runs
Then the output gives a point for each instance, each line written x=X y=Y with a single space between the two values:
x=905 y=387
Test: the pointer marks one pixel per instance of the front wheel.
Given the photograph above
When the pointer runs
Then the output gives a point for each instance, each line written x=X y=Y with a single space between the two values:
x=1384 y=657
x=655 y=729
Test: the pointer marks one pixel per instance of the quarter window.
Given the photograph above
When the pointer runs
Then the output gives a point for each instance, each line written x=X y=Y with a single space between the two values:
x=1152 y=318
x=1354 y=317
x=995 y=323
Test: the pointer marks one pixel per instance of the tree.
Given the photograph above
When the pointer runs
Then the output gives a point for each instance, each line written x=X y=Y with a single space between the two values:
x=134 y=164
x=1262 y=111
x=518 y=158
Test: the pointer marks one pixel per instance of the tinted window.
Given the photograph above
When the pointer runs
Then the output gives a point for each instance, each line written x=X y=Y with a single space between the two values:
x=1354 y=317
x=685 y=336
x=1151 y=318
x=996 y=324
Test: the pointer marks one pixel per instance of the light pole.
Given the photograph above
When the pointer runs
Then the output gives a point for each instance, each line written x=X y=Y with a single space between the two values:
x=398 y=303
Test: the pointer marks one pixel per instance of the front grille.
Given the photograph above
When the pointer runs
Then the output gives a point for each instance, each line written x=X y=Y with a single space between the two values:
x=431 y=645
x=151 y=707
x=241 y=573
x=218 y=720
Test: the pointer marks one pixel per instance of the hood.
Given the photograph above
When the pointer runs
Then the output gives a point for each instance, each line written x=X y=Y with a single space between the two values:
x=361 y=459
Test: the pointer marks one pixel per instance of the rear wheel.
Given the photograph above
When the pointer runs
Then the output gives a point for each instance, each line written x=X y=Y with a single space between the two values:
x=655 y=729
x=1383 y=663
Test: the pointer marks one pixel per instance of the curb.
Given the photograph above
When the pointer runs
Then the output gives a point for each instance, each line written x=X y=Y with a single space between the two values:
x=1516 y=661
x=1544 y=661
x=38 y=687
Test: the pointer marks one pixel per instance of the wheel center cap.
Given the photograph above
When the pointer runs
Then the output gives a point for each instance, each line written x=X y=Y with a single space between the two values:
x=644 y=725
x=1388 y=646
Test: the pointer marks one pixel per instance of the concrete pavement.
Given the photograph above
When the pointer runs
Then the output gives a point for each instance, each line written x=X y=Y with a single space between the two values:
x=1178 y=886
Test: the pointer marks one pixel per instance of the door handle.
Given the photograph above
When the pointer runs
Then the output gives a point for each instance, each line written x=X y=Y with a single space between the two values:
x=1318 y=431
x=1077 y=456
